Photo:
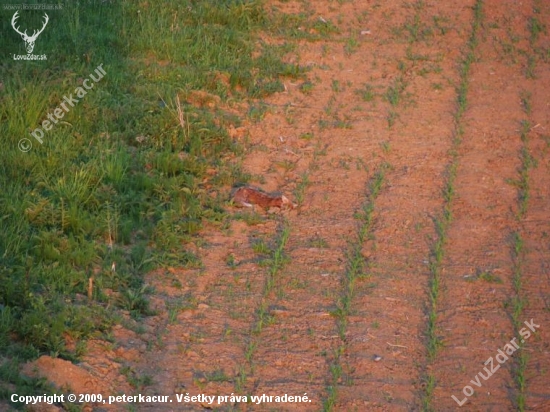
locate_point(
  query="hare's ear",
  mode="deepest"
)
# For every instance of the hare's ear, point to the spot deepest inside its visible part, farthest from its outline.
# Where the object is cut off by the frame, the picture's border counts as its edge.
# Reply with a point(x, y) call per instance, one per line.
point(286, 201)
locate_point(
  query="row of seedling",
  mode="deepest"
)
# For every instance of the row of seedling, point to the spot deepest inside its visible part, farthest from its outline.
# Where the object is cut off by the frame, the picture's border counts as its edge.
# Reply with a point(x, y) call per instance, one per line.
point(274, 263)
point(518, 251)
point(536, 28)
point(355, 269)
point(518, 303)
point(443, 222)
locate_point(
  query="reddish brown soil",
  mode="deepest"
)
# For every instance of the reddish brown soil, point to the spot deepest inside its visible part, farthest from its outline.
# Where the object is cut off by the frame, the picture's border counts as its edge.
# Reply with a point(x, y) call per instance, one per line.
point(204, 346)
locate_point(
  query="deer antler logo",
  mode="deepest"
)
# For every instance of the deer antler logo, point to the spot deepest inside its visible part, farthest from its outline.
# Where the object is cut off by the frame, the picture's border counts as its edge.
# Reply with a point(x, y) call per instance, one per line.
point(29, 40)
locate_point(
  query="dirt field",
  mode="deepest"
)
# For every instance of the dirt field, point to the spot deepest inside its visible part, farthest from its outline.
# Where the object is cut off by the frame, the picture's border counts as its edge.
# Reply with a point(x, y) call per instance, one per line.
point(418, 151)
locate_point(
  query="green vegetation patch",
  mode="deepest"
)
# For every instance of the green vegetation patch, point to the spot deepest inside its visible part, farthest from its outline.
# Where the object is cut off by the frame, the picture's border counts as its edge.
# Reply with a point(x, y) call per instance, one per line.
point(133, 170)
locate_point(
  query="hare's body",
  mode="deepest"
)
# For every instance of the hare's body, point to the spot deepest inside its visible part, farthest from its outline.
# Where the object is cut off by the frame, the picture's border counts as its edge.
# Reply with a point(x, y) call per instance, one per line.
point(248, 196)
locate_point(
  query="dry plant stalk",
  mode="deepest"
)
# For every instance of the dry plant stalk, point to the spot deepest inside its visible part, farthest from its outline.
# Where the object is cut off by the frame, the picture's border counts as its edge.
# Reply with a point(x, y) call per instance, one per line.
point(90, 287)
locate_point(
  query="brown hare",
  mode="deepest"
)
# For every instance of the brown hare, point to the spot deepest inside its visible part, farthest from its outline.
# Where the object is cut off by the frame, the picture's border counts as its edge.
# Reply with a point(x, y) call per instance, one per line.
point(248, 196)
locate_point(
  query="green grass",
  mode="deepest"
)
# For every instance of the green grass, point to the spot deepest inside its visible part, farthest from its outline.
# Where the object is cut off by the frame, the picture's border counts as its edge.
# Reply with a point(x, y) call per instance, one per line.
point(260, 247)
point(395, 91)
point(300, 191)
point(414, 29)
point(251, 218)
point(489, 277)
point(307, 87)
point(367, 93)
point(351, 45)
point(394, 96)
point(304, 25)
point(118, 187)
point(218, 375)
point(536, 28)
point(136, 380)
point(417, 30)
